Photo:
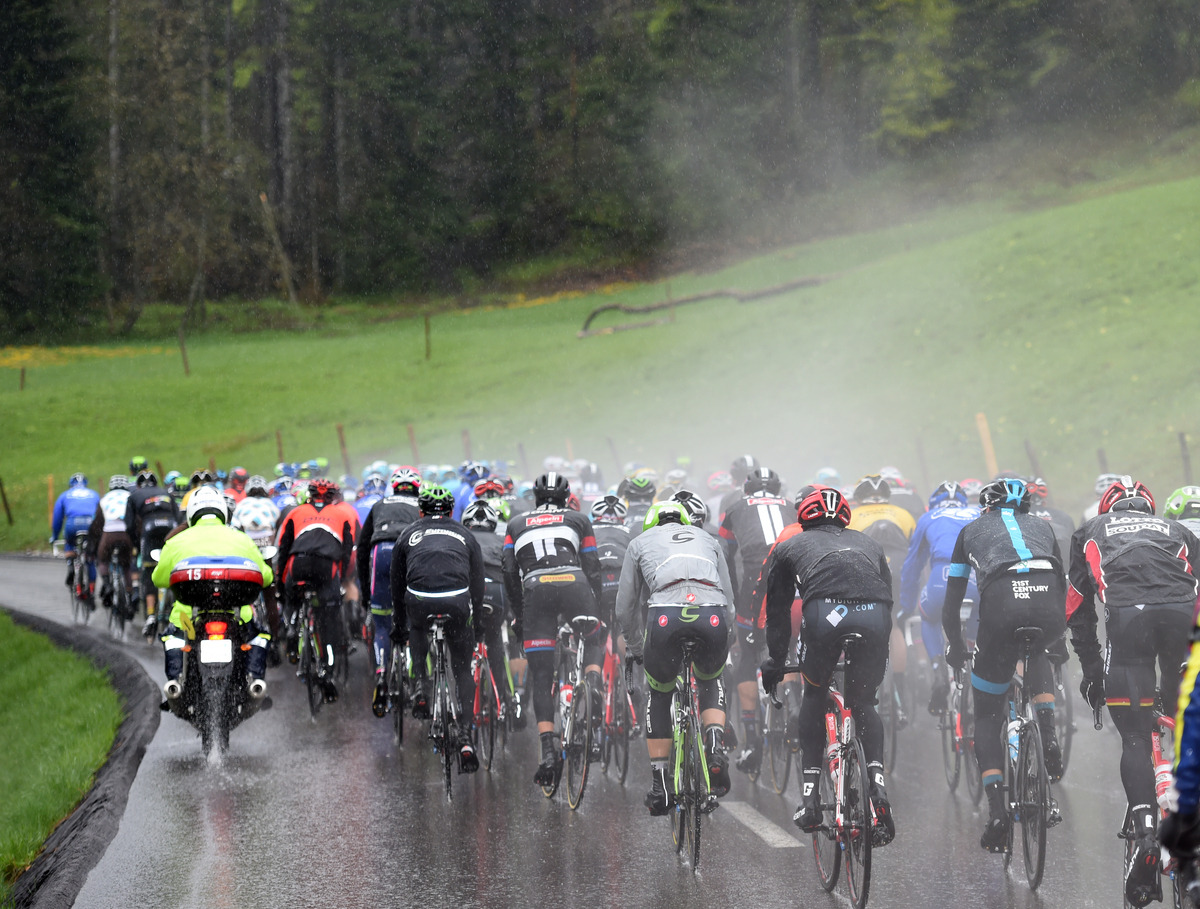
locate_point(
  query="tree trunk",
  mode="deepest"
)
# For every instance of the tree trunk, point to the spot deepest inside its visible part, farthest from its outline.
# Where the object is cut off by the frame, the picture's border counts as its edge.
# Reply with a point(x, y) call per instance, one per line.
point(229, 71)
point(114, 147)
point(339, 156)
point(283, 164)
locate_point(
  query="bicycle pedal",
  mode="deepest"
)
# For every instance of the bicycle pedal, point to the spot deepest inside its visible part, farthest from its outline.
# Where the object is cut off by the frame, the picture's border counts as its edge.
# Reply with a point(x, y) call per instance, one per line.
point(709, 805)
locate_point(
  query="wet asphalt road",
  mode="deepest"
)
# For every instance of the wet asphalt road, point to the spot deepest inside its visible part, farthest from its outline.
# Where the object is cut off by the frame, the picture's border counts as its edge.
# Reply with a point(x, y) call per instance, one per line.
point(334, 813)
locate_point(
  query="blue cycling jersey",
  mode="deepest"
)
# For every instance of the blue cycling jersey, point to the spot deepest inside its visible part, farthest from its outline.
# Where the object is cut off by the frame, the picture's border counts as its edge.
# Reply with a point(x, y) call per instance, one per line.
point(933, 541)
point(73, 513)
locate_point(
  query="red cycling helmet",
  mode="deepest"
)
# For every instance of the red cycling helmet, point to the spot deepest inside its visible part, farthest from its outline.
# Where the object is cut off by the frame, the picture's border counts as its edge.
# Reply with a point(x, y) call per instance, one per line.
point(489, 489)
point(823, 503)
point(1126, 494)
point(322, 492)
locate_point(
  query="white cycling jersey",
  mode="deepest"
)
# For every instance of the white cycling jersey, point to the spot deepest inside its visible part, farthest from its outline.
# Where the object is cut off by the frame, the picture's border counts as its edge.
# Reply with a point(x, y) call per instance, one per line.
point(112, 506)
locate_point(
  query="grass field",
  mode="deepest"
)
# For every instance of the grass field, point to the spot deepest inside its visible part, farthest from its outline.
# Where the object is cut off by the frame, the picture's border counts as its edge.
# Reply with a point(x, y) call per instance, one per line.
point(59, 717)
point(1066, 312)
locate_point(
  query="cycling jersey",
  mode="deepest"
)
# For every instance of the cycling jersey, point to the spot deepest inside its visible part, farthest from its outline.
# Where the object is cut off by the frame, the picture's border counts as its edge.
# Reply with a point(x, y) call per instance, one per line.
point(73, 512)
point(891, 527)
point(309, 531)
point(384, 523)
point(1000, 542)
point(150, 514)
point(437, 556)
point(545, 538)
point(749, 527)
point(112, 507)
point(364, 504)
point(825, 562)
point(933, 539)
point(1063, 526)
point(670, 565)
point(612, 540)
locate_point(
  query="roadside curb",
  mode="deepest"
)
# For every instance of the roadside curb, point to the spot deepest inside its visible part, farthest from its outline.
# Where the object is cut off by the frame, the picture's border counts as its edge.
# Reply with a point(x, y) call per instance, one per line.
point(78, 843)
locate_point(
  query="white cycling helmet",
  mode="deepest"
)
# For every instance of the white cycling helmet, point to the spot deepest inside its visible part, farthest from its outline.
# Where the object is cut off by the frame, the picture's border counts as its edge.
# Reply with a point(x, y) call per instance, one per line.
point(206, 500)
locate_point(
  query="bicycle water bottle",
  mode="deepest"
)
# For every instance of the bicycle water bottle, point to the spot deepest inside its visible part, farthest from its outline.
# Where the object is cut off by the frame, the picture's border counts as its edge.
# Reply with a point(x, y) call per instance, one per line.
point(564, 697)
point(1163, 780)
point(1014, 733)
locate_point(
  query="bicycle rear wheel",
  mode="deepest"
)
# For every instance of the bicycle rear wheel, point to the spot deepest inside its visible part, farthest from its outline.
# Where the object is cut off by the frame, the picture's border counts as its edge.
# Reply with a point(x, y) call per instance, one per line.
point(79, 607)
point(1033, 788)
point(970, 764)
point(619, 741)
point(309, 666)
point(579, 744)
point(694, 795)
point(777, 749)
point(826, 852)
point(856, 832)
point(1064, 716)
point(952, 739)
point(397, 691)
point(889, 713)
point(485, 720)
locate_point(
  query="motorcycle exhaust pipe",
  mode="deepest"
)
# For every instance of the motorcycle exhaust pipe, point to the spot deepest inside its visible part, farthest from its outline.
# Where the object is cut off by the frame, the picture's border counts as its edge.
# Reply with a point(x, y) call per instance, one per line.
point(258, 689)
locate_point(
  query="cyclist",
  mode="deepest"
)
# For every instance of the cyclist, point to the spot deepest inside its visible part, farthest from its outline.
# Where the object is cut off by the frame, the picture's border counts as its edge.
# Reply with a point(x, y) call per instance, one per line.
point(638, 493)
point(1142, 568)
point(1103, 482)
point(482, 519)
point(891, 526)
point(315, 545)
point(207, 535)
point(107, 535)
point(200, 477)
point(236, 486)
point(437, 569)
point(749, 527)
point(1020, 578)
point(73, 513)
point(933, 542)
point(675, 585)
point(551, 568)
point(1063, 526)
point(382, 527)
point(720, 484)
point(1184, 506)
point(903, 493)
point(471, 472)
point(842, 576)
point(150, 514)
point(137, 464)
point(354, 613)
point(374, 488)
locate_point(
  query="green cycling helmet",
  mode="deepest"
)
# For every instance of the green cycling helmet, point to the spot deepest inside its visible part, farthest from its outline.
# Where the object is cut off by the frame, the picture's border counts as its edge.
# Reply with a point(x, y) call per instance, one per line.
point(435, 500)
point(665, 513)
point(1183, 503)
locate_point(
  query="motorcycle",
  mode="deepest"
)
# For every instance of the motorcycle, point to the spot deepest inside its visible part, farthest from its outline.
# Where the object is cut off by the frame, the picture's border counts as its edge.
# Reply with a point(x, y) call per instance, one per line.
point(214, 692)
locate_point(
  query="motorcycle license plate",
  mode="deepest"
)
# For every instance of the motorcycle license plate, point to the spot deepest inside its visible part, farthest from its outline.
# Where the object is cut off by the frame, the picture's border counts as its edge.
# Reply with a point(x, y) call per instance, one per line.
point(216, 651)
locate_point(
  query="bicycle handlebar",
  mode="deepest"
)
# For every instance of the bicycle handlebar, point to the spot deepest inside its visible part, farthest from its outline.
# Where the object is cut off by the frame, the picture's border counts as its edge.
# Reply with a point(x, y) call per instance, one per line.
point(1097, 720)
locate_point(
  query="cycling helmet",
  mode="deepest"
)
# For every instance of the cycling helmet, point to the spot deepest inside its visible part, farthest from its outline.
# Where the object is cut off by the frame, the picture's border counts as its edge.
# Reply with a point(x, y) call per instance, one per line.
point(474, 471)
point(406, 481)
point(256, 486)
point(872, 490)
point(280, 487)
point(590, 472)
point(203, 477)
point(829, 476)
point(179, 490)
point(721, 481)
point(118, 481)
point(322, 492)
point(299, 491)
point(948, 493)
point(608, 510)
point(972, 487)
point(762, 479)
point(1005, 492)
point(551, 489)
point(1183, 503)
point(741, 467)
point(137, 464)
point(436, 500)
point(490, 488)
point(1037, 490)
point(1104, 481)
point(238, 477)
point(697, 511)
point(171, 477)
point(676, 476)
point(665, 513)
point(206, 500)
point(373, 485)
point(636, 489)
point(1127, 494)
point(823, 505)
point(147, 478)
point(481, 514)
point(77, 481)
point(891, 474)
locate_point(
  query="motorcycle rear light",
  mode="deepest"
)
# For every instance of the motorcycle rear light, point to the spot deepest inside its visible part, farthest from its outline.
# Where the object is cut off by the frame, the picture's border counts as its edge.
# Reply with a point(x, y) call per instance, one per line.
point(215, 630)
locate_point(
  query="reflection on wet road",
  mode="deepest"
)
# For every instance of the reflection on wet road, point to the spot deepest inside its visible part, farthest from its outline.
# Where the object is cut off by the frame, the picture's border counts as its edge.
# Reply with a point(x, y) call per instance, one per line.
point(333, 813)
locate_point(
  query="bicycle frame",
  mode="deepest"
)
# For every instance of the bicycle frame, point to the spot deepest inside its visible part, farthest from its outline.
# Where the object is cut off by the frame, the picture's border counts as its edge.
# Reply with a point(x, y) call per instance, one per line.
point(445, 720)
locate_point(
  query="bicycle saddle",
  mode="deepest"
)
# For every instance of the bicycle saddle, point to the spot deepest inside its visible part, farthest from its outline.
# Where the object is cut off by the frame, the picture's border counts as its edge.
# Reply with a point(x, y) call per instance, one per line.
point(1028, 634)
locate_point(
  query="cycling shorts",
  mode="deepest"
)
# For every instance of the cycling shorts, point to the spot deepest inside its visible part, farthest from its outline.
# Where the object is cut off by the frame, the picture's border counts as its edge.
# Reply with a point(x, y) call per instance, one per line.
point(118, 543)
point(74, 526)
point(1035, 599)
point(825, 623)
point(1138, 637)
point(549, 594)
point(316, 571)
point(381, 577)
point(667, 627)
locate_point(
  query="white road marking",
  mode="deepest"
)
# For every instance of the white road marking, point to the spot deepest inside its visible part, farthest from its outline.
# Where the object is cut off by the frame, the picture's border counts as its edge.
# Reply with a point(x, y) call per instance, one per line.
point(766, 829)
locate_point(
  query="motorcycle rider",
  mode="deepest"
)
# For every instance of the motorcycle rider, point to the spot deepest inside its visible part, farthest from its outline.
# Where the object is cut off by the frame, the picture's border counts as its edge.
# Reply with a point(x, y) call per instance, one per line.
point(207, 535)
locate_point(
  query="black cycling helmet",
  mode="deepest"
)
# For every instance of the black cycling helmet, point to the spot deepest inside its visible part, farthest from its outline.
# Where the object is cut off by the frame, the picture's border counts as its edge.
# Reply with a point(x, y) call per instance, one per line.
point(1005, 492)
point(551, 489)
point(146, 478)
point(435, 500)
point(742, 467)
point(137, 464)
point(203, 477)
point(762, 479)
point(608, 510)
point(637, 489)
point(872, 490)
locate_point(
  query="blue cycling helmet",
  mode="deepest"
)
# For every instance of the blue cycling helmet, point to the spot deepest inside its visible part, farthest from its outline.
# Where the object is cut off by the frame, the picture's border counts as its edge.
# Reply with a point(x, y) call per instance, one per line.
point(374, 485)
point(77, 481)
point(948, 493)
